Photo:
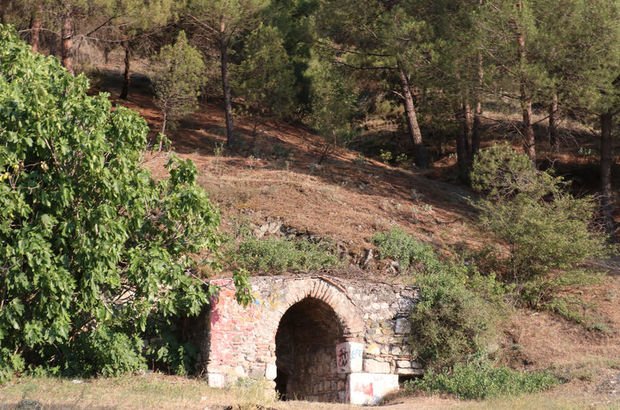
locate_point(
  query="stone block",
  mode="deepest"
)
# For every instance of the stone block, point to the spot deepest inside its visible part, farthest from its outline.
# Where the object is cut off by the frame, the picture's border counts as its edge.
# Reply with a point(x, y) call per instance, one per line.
point(373, 349)
point(349, 357)
point(271, 371)
point(410, 372)
point(376, 366)
point(402, 326)
point(369, 388)
point(216, 380)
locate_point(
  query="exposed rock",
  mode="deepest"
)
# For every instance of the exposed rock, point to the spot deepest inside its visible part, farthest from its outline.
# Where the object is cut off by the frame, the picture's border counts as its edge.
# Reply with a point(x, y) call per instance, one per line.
point(29, 405)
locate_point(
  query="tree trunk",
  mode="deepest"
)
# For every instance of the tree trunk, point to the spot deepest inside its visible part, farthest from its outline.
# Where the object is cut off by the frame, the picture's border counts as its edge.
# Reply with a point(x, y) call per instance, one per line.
point(126, 71)
point(462, 137)
point(467, 126)
point(66, 45)
point(553, 122)
point(606, 165)
point(529, 142)
point(476, 131)
point(164, 121)
point(226, 90)
point(106, 55)
point(420, 155)
point(35, 28)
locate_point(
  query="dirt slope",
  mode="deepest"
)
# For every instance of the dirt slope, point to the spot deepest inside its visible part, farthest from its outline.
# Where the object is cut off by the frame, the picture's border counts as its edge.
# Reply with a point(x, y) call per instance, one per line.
point(346, 198)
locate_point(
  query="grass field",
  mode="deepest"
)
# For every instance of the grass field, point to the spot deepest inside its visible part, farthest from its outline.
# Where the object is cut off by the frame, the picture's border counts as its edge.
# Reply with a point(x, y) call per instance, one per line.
point(153, 391)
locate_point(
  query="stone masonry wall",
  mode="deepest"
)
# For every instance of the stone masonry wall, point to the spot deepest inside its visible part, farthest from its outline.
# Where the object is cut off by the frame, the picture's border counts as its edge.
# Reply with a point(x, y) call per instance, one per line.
point(385, 309)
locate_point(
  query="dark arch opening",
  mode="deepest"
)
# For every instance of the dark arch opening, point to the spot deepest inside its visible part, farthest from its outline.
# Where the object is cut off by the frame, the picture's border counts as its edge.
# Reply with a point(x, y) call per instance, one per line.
point(306, 353)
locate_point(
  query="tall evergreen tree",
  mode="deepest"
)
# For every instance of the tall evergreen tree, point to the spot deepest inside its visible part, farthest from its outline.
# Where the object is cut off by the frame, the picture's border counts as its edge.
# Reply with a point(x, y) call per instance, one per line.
point(384, 37)
point(132, 26)
point(221, 22)
point(265, 78)
point(179, 75)
point(512, 41)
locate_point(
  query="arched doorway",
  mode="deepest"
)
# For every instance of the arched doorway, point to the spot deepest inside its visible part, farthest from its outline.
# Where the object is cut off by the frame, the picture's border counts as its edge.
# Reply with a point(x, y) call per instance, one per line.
point(306, 352)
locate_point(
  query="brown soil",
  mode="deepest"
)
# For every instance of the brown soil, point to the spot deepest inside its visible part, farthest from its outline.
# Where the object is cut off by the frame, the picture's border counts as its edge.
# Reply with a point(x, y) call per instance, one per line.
point(345, 198)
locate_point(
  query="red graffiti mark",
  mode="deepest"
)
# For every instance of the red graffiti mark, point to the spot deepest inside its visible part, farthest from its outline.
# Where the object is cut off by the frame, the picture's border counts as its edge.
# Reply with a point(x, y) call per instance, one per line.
point(367, 389)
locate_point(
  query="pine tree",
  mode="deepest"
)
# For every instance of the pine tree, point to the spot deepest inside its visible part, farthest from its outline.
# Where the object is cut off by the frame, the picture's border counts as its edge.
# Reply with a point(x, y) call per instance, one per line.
point(133, 26)
point(178, 77)
point(512, 41)
point(221, 22)
point(384, 37)
point(265, 78)
point(333, 102)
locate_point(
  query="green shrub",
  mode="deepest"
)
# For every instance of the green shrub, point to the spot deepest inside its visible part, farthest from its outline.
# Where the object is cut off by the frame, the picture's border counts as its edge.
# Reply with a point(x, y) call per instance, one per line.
point(459, 309)
point(386, 156)
point(398, 245)
point(10, 364)
point(545, 227)
point(456, 317)
point(480, 379)
point(106, 353)
point(548, 293)
point(274, 255)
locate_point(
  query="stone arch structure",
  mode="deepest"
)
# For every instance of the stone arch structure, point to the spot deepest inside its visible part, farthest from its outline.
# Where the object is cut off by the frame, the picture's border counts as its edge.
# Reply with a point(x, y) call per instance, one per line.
point(327, 291)
point(318, 338)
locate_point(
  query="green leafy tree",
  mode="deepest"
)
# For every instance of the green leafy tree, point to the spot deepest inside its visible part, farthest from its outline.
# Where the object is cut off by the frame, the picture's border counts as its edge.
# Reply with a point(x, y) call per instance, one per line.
point(178, 78)
point(265, 76)
point(95, 255)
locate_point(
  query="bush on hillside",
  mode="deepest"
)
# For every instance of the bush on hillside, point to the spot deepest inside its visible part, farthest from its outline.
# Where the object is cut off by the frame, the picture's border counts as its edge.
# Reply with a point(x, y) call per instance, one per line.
point(95, 254)
point(545, 227)
point(275, 255)
point(459, 309)
point(457, 315)
point(403, 248)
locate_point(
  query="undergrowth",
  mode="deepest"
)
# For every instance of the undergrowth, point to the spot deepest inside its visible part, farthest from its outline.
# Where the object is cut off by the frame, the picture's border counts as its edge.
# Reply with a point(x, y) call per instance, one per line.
point(278, 255)
point(481, 379)
point(459, 309)
point(403, 248)
point(455, 323)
